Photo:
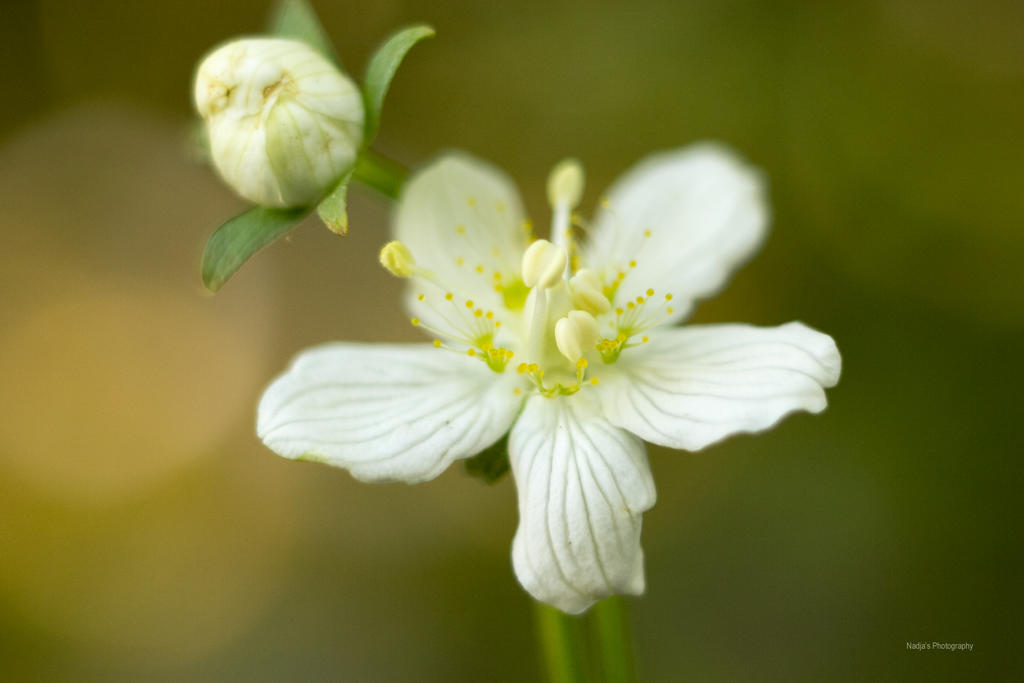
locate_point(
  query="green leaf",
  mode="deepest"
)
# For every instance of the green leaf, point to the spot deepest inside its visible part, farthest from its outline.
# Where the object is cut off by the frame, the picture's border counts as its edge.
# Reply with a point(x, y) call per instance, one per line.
point(296, 19)
point(332, 209)
point(490, 465)
point(381, 70)
point(233, 243)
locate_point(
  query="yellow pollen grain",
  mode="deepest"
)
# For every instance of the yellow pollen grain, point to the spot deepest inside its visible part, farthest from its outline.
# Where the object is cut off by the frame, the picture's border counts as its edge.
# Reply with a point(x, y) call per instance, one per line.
point(632, 264)
point(670, 310)
point(517, 391)
point(437, 343)
point(650, 292)
point(605, 203)
point(461, 229)
point(415, 321)
point(619, 311)
point(469, 304)
point(449, 296)
point(533, 367)
point(478, 313)
point(581, 363)
point(523, 367)
point(459, 261)
point(497, 276)
point(480, 269)
point(647, 233)
point(621, 275)
point(639, 299)
point(630, 305)
point(471, 201)
point(498, 288)
point(594, 381)
point(471, 353)
point(497, 323)
point(645, 339)
point(490, 315)
point(668, 297)
point(421, 297)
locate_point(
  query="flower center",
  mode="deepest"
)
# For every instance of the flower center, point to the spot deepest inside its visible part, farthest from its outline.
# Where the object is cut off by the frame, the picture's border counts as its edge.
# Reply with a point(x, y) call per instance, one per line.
point(555, 309)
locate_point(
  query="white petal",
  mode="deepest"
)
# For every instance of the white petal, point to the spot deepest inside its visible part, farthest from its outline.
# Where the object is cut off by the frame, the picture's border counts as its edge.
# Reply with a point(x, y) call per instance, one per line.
point(463, 220)
point(583, 485)
point(692, 386)
point(386, 412)
point(687, 218)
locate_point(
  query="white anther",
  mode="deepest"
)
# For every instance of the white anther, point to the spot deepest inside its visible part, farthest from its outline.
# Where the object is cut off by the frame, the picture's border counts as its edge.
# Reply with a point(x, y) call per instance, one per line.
point(543, 264)
point(397, 259)
point(575, 334)
point(565, 184)
point(585, 288)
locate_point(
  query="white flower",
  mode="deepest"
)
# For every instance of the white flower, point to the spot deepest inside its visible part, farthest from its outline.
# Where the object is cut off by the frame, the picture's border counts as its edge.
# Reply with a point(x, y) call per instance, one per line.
point(571, 346)
point(284, 124)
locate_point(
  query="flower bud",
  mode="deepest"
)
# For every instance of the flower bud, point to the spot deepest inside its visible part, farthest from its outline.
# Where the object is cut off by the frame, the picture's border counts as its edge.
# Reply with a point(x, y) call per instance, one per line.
point(575, 334)
point(284, 124)
point(397, 259)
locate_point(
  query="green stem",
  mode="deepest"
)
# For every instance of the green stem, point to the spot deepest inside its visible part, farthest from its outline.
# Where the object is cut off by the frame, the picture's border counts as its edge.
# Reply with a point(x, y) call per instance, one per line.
point(609, 622)
point(380, 173)
point(561, 644)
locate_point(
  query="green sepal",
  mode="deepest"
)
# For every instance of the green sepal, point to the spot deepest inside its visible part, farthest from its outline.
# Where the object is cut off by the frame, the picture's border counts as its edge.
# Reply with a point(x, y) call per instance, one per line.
point(233, 243)
point(490, 465)
point(381, 69)
point(332, 209)
point(296, 19)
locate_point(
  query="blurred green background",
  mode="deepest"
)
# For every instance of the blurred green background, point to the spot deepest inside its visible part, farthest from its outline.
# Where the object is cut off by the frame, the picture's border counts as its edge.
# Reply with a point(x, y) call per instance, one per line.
point(145, 533)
